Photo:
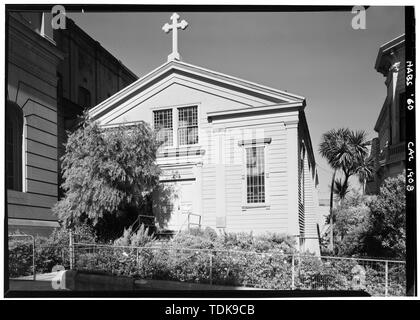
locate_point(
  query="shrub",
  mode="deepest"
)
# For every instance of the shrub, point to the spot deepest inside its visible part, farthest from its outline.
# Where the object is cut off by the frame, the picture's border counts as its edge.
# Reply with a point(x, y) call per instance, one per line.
point(20, 257)
point(109, 176)
point(49, 251)
point(136, 239)
point(387, 233)
point(235, 260)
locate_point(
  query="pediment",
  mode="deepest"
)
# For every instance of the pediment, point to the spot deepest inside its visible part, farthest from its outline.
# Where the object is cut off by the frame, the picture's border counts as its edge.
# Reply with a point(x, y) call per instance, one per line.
point(241, 92)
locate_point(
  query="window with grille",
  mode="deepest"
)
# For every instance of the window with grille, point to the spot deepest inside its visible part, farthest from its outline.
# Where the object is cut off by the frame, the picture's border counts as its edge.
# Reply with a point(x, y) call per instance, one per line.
point(163, 124)
point(187, 125)
point(255, 175)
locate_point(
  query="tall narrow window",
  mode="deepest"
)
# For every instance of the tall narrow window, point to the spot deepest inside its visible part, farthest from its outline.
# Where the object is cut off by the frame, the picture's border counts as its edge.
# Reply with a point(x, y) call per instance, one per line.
point(187, 125)
point(84, 99)
point(402, 115)
point(163, 124)
point(255, 176)
point(14, 133)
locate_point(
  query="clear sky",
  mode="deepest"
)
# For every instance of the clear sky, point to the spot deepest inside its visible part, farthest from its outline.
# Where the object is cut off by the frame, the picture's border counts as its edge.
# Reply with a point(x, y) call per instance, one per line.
point(313, 54)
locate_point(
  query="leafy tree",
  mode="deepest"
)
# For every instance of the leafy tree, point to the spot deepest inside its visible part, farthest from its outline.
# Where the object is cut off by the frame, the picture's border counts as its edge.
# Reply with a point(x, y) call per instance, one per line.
point(388, 219)
point(109, 176)
point(351, 226)
point(346, 151)
point(373, 226)
point(365, 170)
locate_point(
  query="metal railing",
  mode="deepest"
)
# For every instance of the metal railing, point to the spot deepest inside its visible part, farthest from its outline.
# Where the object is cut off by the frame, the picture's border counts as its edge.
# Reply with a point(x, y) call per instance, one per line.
point(392, 153)
point(268, 270)
point(28, 257)
point(189, 223)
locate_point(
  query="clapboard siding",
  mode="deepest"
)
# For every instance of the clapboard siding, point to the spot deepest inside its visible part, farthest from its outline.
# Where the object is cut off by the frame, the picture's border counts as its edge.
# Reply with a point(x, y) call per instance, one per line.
point(41, 175)
point(311, 204)
point(41, 187)
point(208, 195)
point(42, 136)
point(274, 217)
point(34, 108)
point(28, 199)
point(32, 84)
point(42, 124)
point(41, 162)
point(41, 149)
point(29, 212)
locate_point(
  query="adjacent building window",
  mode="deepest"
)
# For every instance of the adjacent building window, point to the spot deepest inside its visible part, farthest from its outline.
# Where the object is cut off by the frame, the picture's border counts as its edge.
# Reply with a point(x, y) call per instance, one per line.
point(14, 134)
point(163, 123)
point(255, 175)
point(84, 98)
point(402, 116)
point(187, 125)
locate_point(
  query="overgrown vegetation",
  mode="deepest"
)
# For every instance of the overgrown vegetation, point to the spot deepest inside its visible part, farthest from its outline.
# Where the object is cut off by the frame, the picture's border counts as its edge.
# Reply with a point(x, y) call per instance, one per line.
point(347, 153)
point(204, 256)
point(49, 251)
point(373, 226)
point(109, 177)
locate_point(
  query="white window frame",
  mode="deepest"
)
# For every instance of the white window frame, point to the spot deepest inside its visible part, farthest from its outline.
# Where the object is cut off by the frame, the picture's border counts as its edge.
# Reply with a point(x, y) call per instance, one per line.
point(175, 126)
point(24, 155)
point(178, 127)
point(266, 203)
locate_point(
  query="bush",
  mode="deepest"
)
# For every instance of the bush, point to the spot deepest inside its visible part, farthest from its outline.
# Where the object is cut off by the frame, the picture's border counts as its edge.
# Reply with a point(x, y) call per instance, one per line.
point(20, 257)
point(235, 260)
point(315, 274)
point(49, 251)
point(138, 239)
point(109, 176)
point(372, 226)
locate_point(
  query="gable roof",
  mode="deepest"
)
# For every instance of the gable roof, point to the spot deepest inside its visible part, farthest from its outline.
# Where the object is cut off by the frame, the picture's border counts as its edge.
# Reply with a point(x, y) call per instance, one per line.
point(274, 95)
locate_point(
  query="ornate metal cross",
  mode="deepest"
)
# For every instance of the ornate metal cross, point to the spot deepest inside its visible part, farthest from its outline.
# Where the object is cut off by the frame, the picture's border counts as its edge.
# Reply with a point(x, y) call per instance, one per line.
point(174, 27)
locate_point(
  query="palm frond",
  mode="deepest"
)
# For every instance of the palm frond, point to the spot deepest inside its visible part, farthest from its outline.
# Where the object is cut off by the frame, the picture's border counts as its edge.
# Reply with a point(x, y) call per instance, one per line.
point(341, 189)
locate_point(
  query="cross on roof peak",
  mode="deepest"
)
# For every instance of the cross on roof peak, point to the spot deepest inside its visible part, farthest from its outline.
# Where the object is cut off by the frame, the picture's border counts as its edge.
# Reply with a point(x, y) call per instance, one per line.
point(174, 27)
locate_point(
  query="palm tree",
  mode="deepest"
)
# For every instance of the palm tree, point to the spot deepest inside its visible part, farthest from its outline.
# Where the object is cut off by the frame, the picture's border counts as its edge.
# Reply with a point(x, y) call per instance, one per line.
point(331, 148)
point(340, 190)
point(365, 171)
point(346, 152)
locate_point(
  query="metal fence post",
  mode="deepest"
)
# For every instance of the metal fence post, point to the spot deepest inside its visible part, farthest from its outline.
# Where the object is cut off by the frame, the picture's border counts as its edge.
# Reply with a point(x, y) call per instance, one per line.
point(293, 272)
point(211, 268)
point(386, 278)
point(33, 258)
point(71, 252)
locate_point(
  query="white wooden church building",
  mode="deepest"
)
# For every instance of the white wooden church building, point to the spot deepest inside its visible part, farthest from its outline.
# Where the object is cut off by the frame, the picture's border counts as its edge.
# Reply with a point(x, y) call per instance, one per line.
point(236, 155)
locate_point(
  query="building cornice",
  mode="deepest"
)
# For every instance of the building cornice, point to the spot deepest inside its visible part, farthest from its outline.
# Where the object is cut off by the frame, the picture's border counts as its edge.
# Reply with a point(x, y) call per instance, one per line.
point(245, 111)
point(30, 36)
point(233, 83)
point(388, 55)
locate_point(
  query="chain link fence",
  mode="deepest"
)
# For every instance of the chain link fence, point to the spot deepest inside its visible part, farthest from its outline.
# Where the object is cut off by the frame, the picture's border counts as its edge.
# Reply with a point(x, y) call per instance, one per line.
point(27, 257)
point(270, 270)
point(273, 270)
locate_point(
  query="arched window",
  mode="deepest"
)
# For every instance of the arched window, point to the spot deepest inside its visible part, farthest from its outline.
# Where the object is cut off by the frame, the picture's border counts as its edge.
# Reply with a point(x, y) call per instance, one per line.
point(14, 135)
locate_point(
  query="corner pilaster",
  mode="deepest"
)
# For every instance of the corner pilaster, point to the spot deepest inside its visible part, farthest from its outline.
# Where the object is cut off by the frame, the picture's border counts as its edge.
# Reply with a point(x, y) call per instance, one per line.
point(292, 177)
